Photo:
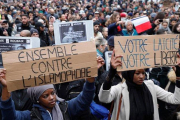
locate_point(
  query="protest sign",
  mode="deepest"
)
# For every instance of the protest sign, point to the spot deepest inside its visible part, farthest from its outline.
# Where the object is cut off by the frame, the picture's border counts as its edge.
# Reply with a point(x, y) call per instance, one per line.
point(108, 55)
point(167, 3)
point(147, 51)
point(50, 65)
point(17, 43)
point(68, 32)
point(10, 2)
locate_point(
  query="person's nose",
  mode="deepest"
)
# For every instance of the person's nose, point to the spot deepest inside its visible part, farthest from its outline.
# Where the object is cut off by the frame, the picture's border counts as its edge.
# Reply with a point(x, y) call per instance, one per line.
point(141, 75)
point(51, 97)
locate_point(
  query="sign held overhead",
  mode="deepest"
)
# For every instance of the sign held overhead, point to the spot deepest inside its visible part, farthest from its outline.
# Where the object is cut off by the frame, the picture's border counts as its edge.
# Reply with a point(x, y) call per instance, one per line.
point(147, 51)
point(50, 65)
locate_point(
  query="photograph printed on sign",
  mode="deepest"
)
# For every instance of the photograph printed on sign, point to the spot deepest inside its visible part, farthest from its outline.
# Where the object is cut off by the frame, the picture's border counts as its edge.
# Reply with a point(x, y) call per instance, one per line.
point(12, 44)
point(71, 32)
point(108, 55)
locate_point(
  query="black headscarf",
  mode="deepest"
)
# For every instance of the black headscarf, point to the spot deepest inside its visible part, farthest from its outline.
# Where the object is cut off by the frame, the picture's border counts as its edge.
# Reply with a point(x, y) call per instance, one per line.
point(141, 102)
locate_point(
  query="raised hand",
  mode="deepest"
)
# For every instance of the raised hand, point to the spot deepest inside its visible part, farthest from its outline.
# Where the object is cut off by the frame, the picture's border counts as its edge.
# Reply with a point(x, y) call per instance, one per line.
point(100, 62)
point(3, 77)
point(115, 62)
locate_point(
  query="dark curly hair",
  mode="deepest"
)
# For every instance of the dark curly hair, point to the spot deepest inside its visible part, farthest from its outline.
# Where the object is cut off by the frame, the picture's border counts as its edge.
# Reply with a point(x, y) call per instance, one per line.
point(174, 30)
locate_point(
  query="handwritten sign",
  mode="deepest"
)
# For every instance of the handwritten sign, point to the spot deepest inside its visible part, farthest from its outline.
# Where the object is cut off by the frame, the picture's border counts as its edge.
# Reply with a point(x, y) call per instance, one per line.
point(167, 3)
point(147, 51)
point(50, 65)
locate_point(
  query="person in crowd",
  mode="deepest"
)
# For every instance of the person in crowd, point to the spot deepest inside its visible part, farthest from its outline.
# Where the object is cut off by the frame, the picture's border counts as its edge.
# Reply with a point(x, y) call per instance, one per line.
point(5, 30)
point(4, 17)
point(136, 14)
point(31, 17)
point(25, 25)
point(173, 22)
point(164, 25)
point(96, 29)
point(21, 95)
point(46, 104)
point(51, 35)
point(9, 16)
point(52, 13)
point(173, 75)
point(25, 33)
point(100, 46)
point(135, 99)
point(176, 29)
point(51, 20)
point(114, 25)
point(35, 33)
point(105, 33)
point(42, 34)
point(109, 47)
point(129, 31)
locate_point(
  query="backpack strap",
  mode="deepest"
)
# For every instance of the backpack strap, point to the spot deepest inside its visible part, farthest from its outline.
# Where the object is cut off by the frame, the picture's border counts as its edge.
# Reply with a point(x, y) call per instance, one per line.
point(64, 109)
point(35, 114)
point(119, 107)
point(111, 109)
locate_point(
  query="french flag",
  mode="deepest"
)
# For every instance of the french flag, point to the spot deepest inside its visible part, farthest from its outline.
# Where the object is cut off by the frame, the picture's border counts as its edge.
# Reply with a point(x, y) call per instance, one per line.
point(141, 24)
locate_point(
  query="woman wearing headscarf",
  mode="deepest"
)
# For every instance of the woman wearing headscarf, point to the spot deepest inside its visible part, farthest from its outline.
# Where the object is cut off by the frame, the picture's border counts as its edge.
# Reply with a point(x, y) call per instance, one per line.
point(139, 97)
point(46, 105)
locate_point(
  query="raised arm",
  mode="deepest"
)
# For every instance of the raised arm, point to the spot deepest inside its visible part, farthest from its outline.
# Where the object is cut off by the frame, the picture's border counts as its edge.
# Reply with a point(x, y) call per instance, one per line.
point(167, 96)
point(108, 93)
point(7, 105)
point(5, 94)
point(84, 99)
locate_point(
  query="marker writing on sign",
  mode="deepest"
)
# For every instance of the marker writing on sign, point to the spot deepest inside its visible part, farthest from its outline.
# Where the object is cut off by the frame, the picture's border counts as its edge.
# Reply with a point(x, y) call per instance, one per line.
point(53, 65)
point(163, 44)
point(134, 45)
point(167, 58)
point(63, 76)
point(135, 60)
point(46, 53)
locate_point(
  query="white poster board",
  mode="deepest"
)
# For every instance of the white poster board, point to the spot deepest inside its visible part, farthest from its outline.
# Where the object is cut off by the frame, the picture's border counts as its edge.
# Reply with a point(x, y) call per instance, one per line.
point(68, 32)
point(17, 43)
point(108, 55)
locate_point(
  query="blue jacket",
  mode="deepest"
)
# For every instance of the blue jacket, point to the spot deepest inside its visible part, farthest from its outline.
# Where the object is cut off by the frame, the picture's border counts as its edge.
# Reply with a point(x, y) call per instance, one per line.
point(112, 30)
point(125, 33)
point(75, 106)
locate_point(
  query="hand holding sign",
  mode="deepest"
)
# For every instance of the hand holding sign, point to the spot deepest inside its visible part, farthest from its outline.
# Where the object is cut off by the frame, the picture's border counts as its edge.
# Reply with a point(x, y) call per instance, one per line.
point(50, 65)
point(100, 62)
point(3, 77)
point(147, 51)
point(115, 62)
point(5, 94)
point(178, 59)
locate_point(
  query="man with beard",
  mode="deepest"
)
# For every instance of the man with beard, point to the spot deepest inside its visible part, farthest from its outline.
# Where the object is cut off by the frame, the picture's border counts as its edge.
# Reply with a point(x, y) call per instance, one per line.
point(96, 30)
point(5, 30)
point(24, 25)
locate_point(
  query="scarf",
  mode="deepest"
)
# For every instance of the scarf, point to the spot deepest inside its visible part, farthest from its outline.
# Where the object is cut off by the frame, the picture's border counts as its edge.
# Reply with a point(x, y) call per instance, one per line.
point(141, 102)
point(34, 94)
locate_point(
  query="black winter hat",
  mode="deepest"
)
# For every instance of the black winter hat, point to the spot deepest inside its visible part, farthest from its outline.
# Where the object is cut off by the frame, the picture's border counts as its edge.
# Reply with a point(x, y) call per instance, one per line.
point(38, 25)
point(111, 41)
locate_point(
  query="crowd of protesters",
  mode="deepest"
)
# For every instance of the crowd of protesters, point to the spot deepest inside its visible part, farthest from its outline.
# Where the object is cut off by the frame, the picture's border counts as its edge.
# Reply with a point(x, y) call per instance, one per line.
point(143, 94)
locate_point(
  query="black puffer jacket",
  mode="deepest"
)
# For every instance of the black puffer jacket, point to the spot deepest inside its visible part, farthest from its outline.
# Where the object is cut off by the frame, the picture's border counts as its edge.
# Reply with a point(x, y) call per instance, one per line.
point(21, 27)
